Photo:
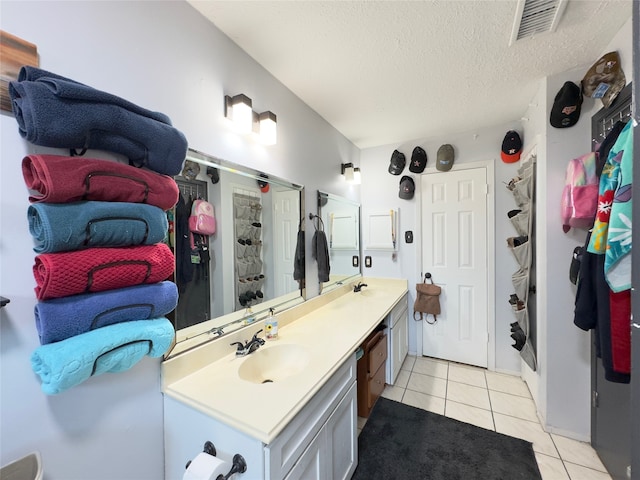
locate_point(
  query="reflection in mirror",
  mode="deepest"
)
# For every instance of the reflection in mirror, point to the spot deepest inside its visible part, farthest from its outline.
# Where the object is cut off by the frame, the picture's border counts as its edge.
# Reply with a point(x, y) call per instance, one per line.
point(341, 220)
point(231, 277)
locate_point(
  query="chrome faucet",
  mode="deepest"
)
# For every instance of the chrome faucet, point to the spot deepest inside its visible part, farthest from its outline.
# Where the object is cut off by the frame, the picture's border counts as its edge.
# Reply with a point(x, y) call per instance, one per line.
point(249, 346)
point(358, 287)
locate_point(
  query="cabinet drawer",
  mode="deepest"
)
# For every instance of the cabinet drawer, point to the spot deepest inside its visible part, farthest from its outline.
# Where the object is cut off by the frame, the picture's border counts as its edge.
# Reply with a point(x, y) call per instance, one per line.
point(376, 386)
point(378, 355)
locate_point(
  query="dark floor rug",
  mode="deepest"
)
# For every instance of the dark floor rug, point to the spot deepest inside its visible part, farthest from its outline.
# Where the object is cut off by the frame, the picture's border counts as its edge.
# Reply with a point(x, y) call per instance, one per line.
point(403, 442)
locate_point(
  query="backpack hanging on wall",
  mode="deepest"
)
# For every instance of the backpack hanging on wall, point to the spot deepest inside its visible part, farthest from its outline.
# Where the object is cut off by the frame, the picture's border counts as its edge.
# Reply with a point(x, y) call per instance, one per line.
point(202, 219)
point(579, 202)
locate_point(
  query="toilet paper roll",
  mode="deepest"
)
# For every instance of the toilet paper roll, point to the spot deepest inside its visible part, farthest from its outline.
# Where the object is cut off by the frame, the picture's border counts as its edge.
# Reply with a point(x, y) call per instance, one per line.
point(206, 467)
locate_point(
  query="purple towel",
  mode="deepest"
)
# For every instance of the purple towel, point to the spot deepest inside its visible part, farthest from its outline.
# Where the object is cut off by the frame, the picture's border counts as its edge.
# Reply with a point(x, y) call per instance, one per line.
point(65, 317)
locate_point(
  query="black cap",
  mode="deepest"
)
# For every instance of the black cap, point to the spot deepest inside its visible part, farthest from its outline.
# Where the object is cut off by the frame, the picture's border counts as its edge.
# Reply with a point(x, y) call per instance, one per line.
point(566, 106)
point(418, 160)
point(398, 161)
point(407, 188)
point(213, 174)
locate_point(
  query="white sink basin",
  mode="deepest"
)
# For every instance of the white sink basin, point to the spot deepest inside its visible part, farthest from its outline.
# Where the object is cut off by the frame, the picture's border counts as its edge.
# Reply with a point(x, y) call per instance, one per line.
point(273, 363)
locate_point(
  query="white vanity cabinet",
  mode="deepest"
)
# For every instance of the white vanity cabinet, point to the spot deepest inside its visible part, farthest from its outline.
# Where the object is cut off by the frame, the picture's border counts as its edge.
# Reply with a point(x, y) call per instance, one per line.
point(320, 441)
point(397, 338)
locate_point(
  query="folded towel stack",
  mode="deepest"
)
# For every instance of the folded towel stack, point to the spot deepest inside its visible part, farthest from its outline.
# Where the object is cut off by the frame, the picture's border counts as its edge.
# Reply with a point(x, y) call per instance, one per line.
point(98, 225)
point(61, 227)
point(59, 179)
point(114, 348)
point(93, 120)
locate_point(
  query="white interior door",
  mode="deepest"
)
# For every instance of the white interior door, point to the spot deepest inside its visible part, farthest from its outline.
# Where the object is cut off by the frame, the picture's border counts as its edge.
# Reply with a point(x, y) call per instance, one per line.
point(454, 251)
point(286, 217)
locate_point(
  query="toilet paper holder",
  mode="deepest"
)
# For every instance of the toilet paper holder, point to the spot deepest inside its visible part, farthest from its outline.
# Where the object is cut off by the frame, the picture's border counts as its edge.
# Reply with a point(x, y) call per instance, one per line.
point(238, 465)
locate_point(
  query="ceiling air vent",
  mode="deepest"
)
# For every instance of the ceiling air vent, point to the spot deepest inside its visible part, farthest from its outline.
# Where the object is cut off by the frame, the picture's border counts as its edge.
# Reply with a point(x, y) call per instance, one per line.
point(534, 17)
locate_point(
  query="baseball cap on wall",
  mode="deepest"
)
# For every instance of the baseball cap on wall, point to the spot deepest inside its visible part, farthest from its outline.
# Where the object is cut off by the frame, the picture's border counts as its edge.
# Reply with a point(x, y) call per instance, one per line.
point(418, 160)
point(566, 106)
point(445, 158)
point(407, 188)
point(263, 184)
point(397, 163)
point(605, 79)
point(511, 147)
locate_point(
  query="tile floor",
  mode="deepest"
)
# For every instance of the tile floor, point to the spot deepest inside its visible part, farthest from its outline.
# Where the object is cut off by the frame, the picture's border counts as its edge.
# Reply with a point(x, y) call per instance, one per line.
point(497, 402)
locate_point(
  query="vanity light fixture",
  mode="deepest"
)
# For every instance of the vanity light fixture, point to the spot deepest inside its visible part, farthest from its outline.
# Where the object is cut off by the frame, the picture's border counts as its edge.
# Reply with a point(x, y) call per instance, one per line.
point(238, 109)
point(351, 173)
point(266, 126)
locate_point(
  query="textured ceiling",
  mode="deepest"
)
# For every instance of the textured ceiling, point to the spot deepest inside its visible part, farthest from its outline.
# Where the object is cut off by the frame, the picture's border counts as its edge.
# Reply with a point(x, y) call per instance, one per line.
point(384, 72)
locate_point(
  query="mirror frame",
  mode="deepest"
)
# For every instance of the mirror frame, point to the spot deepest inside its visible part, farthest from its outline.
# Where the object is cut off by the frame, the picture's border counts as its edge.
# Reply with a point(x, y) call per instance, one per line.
point(193, 336)
point(326, 287)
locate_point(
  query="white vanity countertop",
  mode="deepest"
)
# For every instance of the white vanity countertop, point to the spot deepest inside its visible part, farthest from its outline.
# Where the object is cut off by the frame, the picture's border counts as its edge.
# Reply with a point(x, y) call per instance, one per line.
point(329, 334)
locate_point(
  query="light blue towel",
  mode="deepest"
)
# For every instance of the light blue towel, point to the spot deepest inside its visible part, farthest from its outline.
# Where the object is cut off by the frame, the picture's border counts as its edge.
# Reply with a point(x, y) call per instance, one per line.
point(114, 348)
point(63, 227)
point(61, 318)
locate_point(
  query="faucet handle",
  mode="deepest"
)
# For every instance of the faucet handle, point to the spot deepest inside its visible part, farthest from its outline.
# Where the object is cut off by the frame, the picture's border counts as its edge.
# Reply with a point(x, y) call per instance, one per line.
point(240, 346)
point(258, 339)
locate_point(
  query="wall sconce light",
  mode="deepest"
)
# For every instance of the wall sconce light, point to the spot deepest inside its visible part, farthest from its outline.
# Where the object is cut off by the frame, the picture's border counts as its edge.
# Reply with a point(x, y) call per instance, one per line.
point(265, 125)
point(238, 109)
point(351, 173)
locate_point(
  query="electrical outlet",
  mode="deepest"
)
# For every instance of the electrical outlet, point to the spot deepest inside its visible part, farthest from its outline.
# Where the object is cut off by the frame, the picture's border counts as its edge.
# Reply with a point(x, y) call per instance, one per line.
point(367, 261)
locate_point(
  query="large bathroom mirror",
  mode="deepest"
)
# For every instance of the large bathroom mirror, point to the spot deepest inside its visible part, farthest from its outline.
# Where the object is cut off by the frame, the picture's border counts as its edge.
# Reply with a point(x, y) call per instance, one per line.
point(340, 219)
point(249, 264)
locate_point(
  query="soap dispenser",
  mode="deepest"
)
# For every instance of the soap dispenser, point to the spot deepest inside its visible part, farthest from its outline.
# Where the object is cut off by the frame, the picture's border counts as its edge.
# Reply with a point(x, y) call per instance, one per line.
point(271, 326)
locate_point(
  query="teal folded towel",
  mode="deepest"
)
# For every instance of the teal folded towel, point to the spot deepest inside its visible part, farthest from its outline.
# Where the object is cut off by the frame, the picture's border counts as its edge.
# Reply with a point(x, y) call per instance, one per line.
point(63, 227)
point(114, 348)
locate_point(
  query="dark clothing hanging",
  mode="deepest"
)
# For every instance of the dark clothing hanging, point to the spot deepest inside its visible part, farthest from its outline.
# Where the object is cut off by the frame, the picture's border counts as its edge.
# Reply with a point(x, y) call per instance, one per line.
point(593, 312)
point(320, 252)
point(184, 267)
point(299, 258)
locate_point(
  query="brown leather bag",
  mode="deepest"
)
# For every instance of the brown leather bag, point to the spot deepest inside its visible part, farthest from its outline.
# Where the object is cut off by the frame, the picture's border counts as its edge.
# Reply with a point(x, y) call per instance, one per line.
point(427, 300)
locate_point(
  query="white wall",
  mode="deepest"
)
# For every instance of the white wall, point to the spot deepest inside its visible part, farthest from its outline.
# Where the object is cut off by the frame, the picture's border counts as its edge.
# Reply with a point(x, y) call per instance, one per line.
point(380, 191)
point(163, 56)
point(561, 387)
point(564, 350)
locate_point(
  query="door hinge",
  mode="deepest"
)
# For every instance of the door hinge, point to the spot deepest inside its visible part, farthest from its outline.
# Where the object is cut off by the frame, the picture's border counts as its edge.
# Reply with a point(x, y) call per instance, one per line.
point(594, 399)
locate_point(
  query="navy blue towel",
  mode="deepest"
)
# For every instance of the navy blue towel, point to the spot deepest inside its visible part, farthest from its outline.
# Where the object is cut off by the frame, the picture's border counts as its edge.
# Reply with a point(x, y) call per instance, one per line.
point(62, 318)
point(56, 112)
point(63, 227)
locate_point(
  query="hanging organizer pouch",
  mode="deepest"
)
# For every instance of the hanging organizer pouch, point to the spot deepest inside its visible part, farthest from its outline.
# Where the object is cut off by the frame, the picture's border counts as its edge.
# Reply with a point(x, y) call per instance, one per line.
point(520, 281)
point(99, 269)
point(521, 253)
point(520, 222)
point(427, 300)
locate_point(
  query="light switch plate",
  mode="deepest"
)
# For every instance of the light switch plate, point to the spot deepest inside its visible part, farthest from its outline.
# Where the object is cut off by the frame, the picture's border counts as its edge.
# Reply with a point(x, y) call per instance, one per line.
point(355, 260)
point(367, 261)
point(408, 236)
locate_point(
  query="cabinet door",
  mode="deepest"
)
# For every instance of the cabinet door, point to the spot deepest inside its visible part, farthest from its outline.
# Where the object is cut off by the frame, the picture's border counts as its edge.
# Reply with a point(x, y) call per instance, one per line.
point(342, 438)
point(400, 344)
point(310, 465)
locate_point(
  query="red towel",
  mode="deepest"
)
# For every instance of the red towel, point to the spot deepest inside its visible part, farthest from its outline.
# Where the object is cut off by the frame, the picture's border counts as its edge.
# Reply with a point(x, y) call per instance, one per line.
point(60, 179)
point(98, 269)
